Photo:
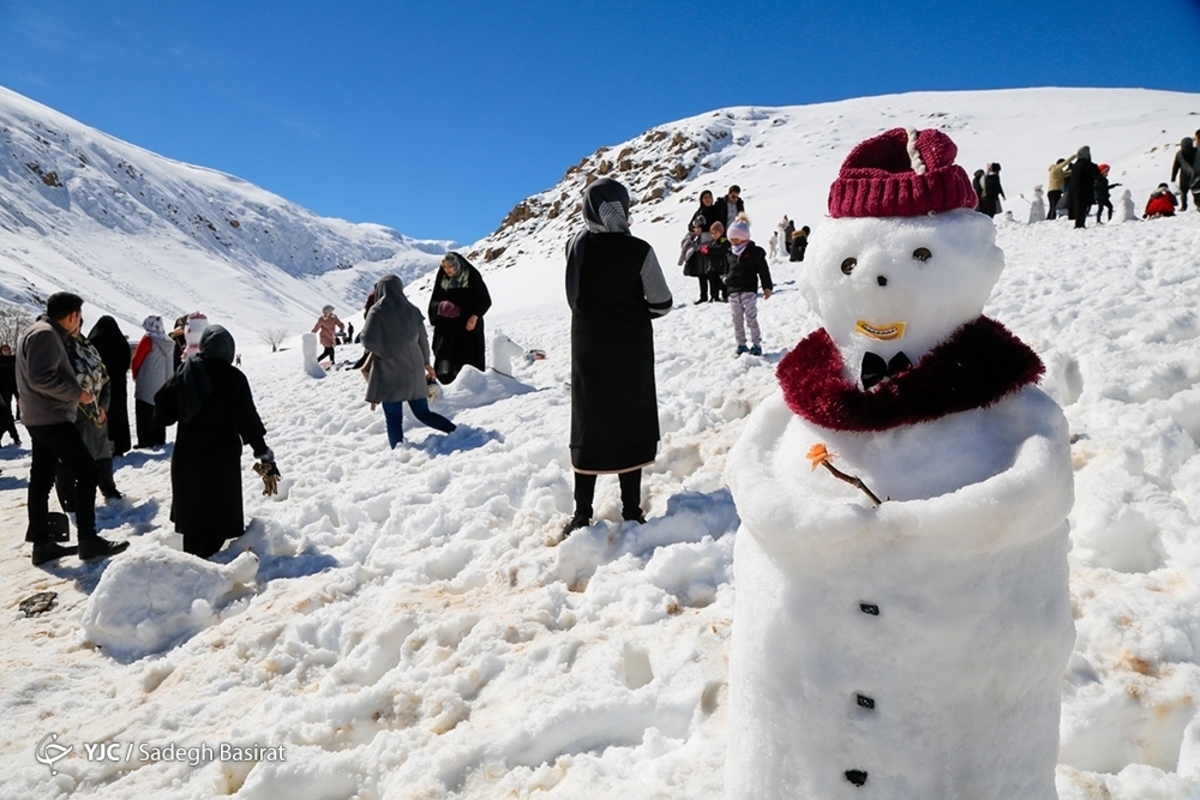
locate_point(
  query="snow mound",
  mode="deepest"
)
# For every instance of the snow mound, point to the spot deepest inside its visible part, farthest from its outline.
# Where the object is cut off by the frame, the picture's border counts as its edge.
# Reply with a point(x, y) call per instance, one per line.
point(148, 602)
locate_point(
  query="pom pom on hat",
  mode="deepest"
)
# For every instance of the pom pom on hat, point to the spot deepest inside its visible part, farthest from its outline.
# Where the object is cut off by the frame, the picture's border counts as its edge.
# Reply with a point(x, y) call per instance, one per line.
point(901, 173)
point(739, 230)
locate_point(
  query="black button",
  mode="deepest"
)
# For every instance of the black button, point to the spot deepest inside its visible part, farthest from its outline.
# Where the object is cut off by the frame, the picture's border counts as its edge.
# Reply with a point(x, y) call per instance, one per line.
point(856, 776)
point(865, 701)
point(868, 608)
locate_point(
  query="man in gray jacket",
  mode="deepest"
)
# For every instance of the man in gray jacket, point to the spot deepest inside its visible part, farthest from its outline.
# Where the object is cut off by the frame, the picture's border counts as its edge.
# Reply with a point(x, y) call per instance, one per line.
point(50, 395)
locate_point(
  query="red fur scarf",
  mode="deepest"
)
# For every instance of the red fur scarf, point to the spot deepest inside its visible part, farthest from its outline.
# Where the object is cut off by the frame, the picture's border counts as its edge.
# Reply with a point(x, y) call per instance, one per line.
point(978, 365)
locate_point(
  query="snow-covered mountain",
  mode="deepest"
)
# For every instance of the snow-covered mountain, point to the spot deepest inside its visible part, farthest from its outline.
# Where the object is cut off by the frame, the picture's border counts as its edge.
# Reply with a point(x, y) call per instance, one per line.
point(136, 233)
point(413, 628)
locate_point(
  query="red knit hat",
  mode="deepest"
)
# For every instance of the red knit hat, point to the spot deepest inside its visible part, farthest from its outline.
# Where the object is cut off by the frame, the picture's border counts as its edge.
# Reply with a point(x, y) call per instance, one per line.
point(901, 173)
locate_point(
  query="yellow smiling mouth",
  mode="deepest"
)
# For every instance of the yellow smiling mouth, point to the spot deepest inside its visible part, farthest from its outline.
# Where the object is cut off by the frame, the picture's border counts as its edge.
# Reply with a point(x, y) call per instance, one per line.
point(882, 333)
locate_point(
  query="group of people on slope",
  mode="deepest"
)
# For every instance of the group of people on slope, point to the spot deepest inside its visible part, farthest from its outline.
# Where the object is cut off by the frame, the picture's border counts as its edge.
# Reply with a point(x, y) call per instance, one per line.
point(73, 402)
point(1075, 184)
point(988, 190)
point(787, 241)
point(1185, 171)
point(729, 265)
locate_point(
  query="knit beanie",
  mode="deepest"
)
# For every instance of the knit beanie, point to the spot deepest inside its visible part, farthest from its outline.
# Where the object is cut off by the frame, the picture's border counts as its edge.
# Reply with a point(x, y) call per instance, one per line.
point(738, 230)
point(901, 173)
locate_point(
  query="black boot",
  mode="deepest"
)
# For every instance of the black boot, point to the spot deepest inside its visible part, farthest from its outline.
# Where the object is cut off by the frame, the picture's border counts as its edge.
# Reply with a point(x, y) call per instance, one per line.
point(578, 521)
point(44, 552)
point(98, 547)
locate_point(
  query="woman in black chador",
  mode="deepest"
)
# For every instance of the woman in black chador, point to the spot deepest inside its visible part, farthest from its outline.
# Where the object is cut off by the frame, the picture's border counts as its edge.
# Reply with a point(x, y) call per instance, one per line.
point(460, 299)
point(210, 399)
point(615, 287)
point(114, 350)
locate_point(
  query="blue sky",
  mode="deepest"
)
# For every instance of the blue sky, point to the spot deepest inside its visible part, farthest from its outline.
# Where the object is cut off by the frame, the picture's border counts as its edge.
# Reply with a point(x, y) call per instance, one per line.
point(436, 118)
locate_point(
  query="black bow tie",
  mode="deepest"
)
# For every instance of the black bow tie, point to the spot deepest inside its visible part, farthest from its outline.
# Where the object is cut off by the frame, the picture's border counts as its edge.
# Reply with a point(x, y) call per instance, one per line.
point(875, 369)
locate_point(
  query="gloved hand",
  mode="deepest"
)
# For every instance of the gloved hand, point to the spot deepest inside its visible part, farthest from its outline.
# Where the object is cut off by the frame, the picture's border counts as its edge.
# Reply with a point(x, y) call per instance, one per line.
point(270, 476)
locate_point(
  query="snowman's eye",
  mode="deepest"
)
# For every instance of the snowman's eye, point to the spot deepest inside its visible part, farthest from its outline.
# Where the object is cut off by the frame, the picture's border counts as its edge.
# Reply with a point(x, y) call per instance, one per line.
point(848, 265)
point(922, 254)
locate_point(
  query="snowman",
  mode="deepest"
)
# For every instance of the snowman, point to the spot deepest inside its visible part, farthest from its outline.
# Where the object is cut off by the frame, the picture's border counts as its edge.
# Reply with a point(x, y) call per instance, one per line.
point(910, 649)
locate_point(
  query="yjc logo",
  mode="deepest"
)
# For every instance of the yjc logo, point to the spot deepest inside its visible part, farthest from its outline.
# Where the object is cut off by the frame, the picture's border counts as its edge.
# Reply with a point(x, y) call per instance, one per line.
point(49, 751)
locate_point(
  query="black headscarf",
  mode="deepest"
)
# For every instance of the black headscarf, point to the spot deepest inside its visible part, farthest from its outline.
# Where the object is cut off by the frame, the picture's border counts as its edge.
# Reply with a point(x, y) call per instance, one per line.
point(605, 210)
point(195, 385)
point(107, 338)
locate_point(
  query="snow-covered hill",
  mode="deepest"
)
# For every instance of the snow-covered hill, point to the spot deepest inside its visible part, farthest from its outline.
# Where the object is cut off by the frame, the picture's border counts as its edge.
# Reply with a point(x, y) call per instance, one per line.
point(414, 630)
point(136, 233)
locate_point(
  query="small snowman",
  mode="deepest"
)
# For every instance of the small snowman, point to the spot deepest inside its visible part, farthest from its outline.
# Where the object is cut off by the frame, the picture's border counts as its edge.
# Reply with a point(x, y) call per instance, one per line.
point(910, 646)
point(1126, 211)
point(1037, 206)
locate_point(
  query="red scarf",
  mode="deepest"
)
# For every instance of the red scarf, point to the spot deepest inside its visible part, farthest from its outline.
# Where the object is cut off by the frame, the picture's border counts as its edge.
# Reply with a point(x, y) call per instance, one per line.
point(981, 363)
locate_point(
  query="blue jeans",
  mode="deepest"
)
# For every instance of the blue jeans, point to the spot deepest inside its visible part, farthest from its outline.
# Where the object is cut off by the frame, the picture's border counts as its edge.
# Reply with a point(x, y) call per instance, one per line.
point(393, 414)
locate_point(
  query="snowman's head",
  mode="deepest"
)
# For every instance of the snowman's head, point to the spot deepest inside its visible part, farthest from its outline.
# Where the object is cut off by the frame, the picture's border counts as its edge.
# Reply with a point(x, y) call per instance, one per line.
point(905, 261)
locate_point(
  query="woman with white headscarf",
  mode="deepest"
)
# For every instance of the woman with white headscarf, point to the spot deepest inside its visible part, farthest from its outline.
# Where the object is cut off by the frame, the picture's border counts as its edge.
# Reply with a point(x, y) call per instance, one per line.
point(152, 365)
point(615, 287)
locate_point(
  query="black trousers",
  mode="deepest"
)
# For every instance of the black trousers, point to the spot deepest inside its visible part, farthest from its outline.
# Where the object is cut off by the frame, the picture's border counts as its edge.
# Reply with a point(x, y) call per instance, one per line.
point(631, 493)
point(7, 423)
point(149, 432)
point(65, 481)
point(52, 444)
point(1053, 197)
point(326, 353)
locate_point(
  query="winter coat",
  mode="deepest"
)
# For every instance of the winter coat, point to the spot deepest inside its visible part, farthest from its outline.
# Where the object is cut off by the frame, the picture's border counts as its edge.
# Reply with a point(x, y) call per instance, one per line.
point(1161, 203)
point(152, 365)
point(1081, 185)
point(695, 263)
point(94, 378)
point(110, 342)
point(799, 245)
point(8, 377)
point(394, 335)
point(453, 345)
point(746, 270)
point(46, 382)
point(709, 214)
point(206, 464)
point(1184, 164)
point(614, 403)
point(992, 192)
point(977, 185)
point(722, 210)
point(717, 252)
point(1058, 177)
point(325, 329)
point(1101, 188)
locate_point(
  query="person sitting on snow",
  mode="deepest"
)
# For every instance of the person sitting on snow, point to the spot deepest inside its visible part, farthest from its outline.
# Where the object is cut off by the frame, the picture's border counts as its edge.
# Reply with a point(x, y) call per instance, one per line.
point(1161, 204)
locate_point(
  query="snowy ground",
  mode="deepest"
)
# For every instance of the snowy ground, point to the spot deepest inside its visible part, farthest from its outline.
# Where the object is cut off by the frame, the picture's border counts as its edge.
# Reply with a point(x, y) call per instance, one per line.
point(414, 629)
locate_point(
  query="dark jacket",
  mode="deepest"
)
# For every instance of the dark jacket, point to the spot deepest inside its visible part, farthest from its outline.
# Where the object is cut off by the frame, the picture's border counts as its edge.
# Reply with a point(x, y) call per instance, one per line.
point(717, 253)
point(1101, 188)
point(722, 207)
point(709, 214)
point(45, 378)
point(992, 192)
point(1081, 186)
point(1184, 165)
point(110, 342)
point(614, 404)
point(799, 245)
point(8, 378)
point(746, 270)
point(206, 464)
point(453, 345)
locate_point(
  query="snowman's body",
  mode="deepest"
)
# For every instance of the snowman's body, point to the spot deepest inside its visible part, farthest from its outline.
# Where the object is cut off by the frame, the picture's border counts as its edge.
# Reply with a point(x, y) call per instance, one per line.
point(912, 650)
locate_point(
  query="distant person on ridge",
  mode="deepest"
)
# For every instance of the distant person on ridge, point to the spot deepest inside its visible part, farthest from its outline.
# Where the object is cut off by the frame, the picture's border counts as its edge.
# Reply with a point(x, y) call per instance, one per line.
point(460, 299)
point(327, 323)
point(50, 397)
point(1182, 169)
point(615, 288)
point(1081, 186)
point(1055, 183)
